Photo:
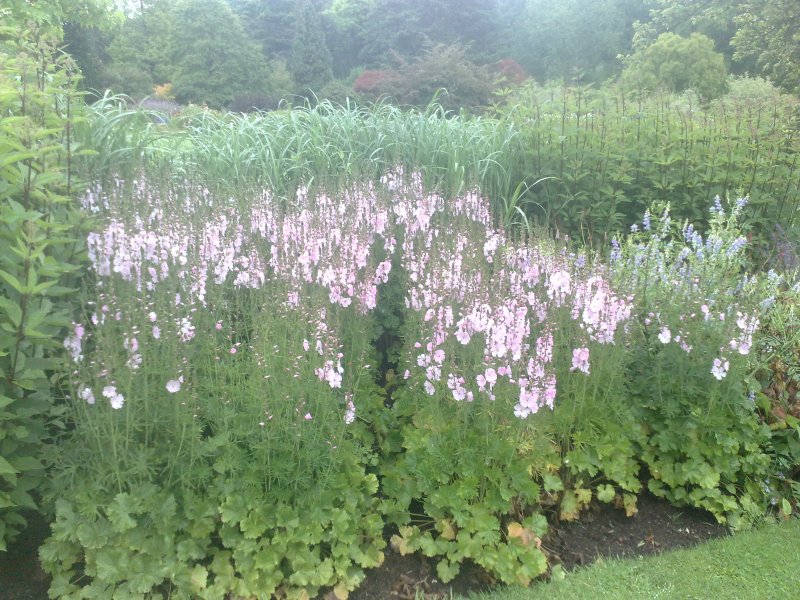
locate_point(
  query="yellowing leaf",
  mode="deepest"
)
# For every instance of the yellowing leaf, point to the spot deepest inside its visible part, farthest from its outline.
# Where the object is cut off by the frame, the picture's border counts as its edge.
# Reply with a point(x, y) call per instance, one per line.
point(401, 542)
point(515, 530)
point(584, 496)
point(570, 509)
point(629, 501)
point(448, 532)
point(525, 535)
point(341, 591)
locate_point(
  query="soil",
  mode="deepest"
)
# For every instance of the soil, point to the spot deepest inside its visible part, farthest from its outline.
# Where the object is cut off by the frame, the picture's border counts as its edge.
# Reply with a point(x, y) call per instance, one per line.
point(602, 531)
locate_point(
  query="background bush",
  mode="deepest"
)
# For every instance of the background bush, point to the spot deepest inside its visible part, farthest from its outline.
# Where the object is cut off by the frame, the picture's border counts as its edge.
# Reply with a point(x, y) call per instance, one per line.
point(676, 64)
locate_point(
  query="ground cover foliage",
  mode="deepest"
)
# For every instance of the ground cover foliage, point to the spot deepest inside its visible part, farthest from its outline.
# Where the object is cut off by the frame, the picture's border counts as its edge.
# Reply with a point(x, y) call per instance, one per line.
point(297, 332)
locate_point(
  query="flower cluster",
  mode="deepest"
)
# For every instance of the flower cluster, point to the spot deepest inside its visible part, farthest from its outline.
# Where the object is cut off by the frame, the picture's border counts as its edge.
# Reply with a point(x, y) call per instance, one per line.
point(473, 292)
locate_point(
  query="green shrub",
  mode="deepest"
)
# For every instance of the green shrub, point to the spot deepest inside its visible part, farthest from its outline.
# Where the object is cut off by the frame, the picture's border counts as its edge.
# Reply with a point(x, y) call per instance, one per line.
point(776, 363)
point(612, 154)
point(39, 254)
point(442, 74)
point(675, 64)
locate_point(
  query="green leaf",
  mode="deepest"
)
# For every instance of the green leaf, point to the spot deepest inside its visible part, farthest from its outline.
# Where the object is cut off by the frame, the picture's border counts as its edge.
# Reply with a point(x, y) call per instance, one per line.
point(13, 311)
point(26, 463)
point(12, 281)
point(234, 510)
point(198, 578)
point(119, 512)
point(552, 483)
point(6, 468)
point(605, 492)
point(447, 570)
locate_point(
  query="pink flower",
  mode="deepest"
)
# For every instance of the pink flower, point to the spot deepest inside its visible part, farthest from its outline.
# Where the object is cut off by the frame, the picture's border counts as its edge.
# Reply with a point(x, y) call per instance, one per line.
point(87, 394)
point(308, 417)
point(720, 368)
point(580, 360)
point(665, 336)
point(173, 386)
point(117, 399)
point(350, 413)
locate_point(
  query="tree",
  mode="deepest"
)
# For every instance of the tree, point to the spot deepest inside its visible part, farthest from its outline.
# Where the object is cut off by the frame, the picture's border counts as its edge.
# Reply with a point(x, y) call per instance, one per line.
point(88, 46)
point(408, 27)
point(139, 51)
point(712, 18)
point(443, 72)
point(346, 25)
point(270, 23)
point(569, 39)
point(50, 16)
point(677, 64)
point(310, 60)
point(212, 58)
point(769, 34)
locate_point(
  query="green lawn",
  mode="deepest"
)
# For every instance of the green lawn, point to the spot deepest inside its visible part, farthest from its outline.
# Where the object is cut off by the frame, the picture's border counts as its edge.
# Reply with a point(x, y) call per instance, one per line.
point(760, 564)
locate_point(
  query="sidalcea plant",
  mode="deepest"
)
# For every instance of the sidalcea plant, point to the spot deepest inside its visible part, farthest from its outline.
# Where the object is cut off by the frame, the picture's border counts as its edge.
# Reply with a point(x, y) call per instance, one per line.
point(496, 331)
point(224, 366)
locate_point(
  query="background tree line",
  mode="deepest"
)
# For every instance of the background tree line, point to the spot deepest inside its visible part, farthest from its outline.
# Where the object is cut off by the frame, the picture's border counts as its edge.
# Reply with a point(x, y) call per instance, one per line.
point(241, 53)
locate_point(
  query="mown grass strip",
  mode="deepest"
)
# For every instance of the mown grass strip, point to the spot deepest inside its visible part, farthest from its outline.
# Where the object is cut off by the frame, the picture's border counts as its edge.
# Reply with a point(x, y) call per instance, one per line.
point(758, 564)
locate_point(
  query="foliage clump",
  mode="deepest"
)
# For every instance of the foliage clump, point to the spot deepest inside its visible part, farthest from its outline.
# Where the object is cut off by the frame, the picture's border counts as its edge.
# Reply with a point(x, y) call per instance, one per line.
point(676, 64)
point(40, 252)
point(443, 73)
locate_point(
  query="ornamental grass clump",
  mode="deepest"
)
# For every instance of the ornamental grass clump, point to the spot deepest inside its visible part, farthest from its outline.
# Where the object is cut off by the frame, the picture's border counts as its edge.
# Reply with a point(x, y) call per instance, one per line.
point(221, 390)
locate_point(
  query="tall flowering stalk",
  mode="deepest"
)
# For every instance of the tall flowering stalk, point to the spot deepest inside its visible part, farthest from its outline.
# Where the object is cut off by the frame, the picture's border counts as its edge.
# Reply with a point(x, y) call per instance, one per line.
point(224, 361)
point(697, 314)
point(495, 331)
